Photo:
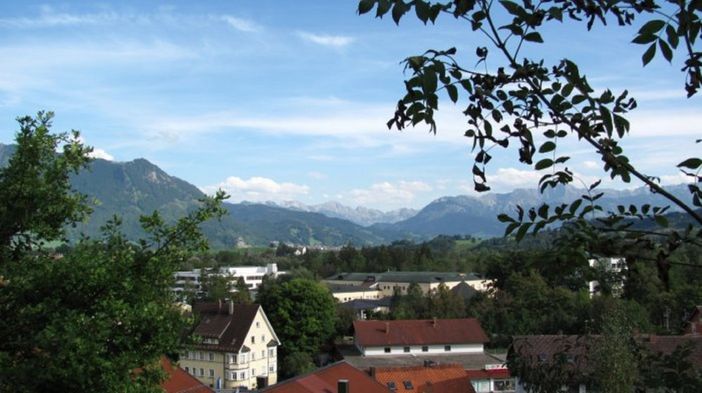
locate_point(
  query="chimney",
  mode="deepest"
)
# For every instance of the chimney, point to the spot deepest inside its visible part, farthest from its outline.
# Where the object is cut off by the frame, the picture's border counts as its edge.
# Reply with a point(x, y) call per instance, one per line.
point(231, 307)
point(342, 386)
point(371, 372)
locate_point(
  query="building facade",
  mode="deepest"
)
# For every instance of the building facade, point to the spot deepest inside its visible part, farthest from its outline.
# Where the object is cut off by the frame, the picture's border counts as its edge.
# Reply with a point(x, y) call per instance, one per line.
point(191, 281)
point(390, 282)
point(237, 347)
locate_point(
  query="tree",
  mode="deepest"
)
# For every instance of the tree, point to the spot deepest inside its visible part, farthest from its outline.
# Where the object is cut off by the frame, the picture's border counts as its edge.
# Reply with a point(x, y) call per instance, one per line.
point(303, 313)
point(99, 317)
point(36, 201)
point(525, 97)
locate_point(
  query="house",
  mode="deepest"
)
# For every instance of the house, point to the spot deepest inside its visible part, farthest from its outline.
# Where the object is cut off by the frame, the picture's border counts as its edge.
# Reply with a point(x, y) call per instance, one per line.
point(237, 347)
point(450, 378)
point(613, 268)
point(362, 308)
point(346, 293)
point(419, 336)
point(569, 357)
point(339, 377)
point(178, 381)
point(253, 277)
point(390, 282)
point(433, 342)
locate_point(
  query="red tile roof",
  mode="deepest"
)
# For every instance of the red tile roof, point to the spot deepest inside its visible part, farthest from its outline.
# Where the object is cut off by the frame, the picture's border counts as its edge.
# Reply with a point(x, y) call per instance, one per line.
point(324, 380)
point(447, 378)
point(178, 381)
point(419, 332)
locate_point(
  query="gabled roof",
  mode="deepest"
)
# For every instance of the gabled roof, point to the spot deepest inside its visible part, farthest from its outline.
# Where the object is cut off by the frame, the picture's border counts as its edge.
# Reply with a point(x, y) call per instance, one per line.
point(576, 350)
point(464, 290)
point(436, 379)
point(229, 329)
point(419, 332)
point(178, 381)
point(324, 380)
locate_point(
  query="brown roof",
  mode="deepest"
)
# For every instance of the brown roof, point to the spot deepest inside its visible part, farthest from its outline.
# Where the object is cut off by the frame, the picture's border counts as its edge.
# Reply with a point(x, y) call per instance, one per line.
point(324, 380)
point(575, 349)
point(419, 332)
point(435, 379)
point(178, 381)
point(229, 329)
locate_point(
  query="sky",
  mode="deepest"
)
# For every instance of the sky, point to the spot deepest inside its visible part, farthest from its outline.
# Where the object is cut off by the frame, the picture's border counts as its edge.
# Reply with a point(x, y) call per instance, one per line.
point(275, 100)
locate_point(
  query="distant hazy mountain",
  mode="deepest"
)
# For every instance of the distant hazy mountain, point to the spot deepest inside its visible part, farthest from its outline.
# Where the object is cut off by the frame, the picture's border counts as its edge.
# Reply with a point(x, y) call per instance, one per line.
point(131, 189)
point(359, 215)
point(477, 215)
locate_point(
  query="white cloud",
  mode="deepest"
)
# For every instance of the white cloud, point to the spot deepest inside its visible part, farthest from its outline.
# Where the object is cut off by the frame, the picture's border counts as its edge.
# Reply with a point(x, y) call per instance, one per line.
point(240, 24)
point(400, 193)
point(335, 41)
point(317, 175)
point(259, 189)
point(49, 18)
point(100, 153)
point(679, 178)
point(589, 164)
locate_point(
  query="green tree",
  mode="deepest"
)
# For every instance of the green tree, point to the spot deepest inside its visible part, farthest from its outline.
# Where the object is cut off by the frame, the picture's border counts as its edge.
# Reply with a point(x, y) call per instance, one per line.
point(614, 354)
point(36, 200)
point(303, 313)
point(242, 294)
point(99, 317)
point(524, 100)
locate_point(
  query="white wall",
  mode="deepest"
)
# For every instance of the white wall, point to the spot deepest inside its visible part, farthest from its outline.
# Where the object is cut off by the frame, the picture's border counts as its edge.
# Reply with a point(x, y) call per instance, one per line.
point(417, 350)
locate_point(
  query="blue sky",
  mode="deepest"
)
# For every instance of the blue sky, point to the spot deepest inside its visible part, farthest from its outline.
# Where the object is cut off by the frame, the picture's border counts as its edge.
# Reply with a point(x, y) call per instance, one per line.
point(287, 100)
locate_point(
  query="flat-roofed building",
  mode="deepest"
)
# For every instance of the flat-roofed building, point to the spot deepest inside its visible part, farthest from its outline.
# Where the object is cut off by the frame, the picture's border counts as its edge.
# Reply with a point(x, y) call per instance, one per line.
point(389, 282)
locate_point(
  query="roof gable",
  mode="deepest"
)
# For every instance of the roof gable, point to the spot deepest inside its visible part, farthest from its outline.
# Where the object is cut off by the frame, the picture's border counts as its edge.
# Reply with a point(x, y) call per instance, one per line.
point(229, 329)
point(419, 332)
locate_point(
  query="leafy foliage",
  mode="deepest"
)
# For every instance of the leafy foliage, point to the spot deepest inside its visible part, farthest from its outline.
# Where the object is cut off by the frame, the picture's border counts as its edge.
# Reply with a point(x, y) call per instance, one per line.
point(525, 100)
point(99, 317)
point(303, 314)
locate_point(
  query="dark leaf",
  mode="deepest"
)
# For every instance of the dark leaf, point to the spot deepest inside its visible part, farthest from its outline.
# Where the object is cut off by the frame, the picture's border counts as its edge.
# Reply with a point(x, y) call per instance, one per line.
point(648, 55)
point(533, 37)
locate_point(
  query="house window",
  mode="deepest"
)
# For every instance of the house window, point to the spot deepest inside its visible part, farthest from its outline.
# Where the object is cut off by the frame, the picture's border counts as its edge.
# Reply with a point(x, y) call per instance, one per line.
point(503, 385)
point(253, 371)
point(425, 348)
point(258, 324)
point(211, 372)
point(271, 352)
point(271, 369)
point(202, 372)
point(253, 339)
point(253, 356)
point(242, 375)
point(211, 356)
point(263, 354)
point(447, 348)
point(406, 349)
point(387, 349)
point(232, 376)
point(263, 338)
point(187, 370)
point(243, 358)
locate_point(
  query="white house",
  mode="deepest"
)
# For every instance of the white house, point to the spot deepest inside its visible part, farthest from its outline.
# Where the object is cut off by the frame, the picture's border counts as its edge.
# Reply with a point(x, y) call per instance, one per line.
point(237, 347)
point(419, 337)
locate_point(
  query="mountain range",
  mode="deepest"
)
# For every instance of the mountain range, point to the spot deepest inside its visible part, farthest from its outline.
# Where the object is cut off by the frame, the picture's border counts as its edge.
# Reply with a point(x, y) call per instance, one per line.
point(134, 188)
